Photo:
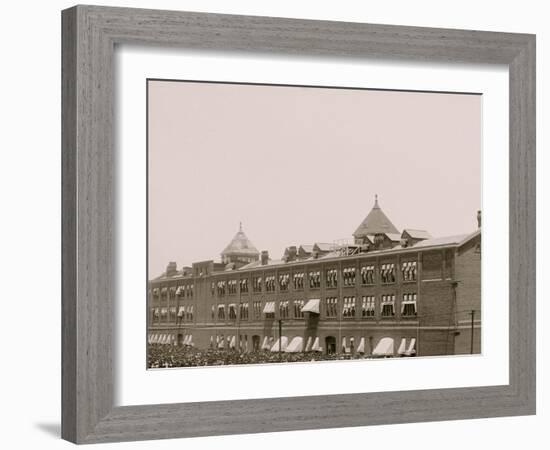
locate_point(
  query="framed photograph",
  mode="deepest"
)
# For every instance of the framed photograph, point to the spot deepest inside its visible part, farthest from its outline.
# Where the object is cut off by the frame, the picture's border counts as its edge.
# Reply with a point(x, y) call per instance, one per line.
point(276, 224)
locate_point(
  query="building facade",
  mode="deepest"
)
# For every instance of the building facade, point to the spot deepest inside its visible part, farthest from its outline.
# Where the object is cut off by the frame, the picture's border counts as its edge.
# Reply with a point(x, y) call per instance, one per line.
point(386, 294)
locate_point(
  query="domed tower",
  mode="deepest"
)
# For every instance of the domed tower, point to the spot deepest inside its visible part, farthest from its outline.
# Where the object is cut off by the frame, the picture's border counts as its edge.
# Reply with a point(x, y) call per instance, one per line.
point(240, 250)
point(375, 224)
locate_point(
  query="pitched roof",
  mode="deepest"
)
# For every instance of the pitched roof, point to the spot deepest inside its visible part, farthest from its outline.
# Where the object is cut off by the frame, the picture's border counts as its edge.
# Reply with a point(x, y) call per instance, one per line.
point(323, 246)
point(240, 245)
point(417, 234)
point(441, 241)
point(376, 222)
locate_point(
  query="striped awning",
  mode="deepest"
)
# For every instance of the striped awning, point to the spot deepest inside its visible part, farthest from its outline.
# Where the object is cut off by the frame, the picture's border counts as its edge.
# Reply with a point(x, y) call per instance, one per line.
point(312, 306)
point(269, 308)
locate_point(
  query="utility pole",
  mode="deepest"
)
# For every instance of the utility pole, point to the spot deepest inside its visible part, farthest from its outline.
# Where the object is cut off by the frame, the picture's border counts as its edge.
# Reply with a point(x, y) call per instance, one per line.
point(280, 339)
point(472, 333)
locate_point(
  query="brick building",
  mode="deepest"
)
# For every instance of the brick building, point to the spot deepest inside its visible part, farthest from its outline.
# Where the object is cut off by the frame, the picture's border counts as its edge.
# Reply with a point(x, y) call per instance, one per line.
point(386, 294)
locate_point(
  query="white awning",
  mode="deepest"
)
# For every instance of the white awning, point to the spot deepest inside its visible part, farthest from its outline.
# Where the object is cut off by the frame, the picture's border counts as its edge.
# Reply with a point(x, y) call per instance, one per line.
point(185, 338)
point(402, 347)
point(221, 344)
point(181, 311)
point(296, 345)
point(284, 344)
point(412, 348)
point(232, 343)
point(345, 345)
point(384, 347)
point(189, 340)
point(312, 306)
point(269, 308)
point(361, 348)
point(405, 303)
point(265, 344)
point(308, 344)
point(316, 347)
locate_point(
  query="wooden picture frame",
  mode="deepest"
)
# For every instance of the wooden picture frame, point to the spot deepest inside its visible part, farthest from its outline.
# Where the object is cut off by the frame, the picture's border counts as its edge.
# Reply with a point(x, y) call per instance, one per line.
point(90, 34)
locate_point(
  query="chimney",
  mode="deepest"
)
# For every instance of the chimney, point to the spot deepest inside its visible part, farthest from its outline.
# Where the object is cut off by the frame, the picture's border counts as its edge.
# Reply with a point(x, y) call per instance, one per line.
point(479, 219)
point(171, 269)
point(265, 257)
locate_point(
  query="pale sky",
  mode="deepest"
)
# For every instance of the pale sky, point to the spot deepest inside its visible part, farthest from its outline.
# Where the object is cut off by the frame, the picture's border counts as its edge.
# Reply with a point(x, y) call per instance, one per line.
point(302, 165)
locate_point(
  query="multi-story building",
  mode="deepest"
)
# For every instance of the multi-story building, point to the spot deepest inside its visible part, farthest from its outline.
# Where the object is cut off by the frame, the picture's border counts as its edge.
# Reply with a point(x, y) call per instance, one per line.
point(387, 293)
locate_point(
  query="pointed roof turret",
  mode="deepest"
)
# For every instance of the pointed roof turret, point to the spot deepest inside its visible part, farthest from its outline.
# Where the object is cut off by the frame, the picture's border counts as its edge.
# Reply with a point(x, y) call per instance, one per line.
point(240, 245)
point(376, 222)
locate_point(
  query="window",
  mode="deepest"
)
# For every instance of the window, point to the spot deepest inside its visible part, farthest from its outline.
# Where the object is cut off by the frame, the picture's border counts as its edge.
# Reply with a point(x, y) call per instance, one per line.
point(315, 279)
point(163, 293)
point(213, 312)
point(283, 309)
point(172, 314)
point(212, 288)
point(154, 315)
point(367, 274)
point(332, 278)
point(348, 274)
point(232, 311)
point(232, 287)
point(243, 311)
point(387, 306)
point(191, 290)
point(368, 306)
point(284, 281)
point(156, 293)
point(270, 283)
point(408, 305)
point(243, 285)
point(221, 312)
point(387, 273)
point(221, 288)
point(172, 292)
point(331, 309)
point(257, 305)
point(408, 271)
point(298, 281)
point(180, 291)
point(348, 310)
point(298, 305)
point(257, 284)
point(189, 313)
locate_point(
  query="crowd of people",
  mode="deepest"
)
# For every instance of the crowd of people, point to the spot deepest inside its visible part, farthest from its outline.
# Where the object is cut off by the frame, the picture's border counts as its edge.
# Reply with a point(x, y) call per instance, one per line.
point(165, 356)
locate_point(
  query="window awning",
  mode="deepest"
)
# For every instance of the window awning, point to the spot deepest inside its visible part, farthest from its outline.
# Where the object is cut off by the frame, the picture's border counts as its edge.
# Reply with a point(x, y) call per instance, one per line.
point(269, 308)
point(384, 347)
point(284, 344)
point(181, 311)
point(265, 344)
point(312, 306)
point(402, 347)
point(361, 347)
point(308, 344)
point(316, 347)
point(296, 345)
point(345, 347)
point(232, 343)
point(411, 350)
point(405, 303)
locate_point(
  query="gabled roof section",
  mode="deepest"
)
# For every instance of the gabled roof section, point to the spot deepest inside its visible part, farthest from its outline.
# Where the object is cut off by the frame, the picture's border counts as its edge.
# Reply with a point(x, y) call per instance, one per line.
point(323, 247)
point(240, 245)
point(417, 234)
point(376, 222)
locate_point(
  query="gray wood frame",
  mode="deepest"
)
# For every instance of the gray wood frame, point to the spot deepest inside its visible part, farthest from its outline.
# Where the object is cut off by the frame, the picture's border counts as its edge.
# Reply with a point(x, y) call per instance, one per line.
point(89, 36)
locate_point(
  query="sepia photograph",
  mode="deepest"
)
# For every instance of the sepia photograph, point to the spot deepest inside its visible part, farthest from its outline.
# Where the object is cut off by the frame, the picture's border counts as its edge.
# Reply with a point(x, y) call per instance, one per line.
point(292, 223)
